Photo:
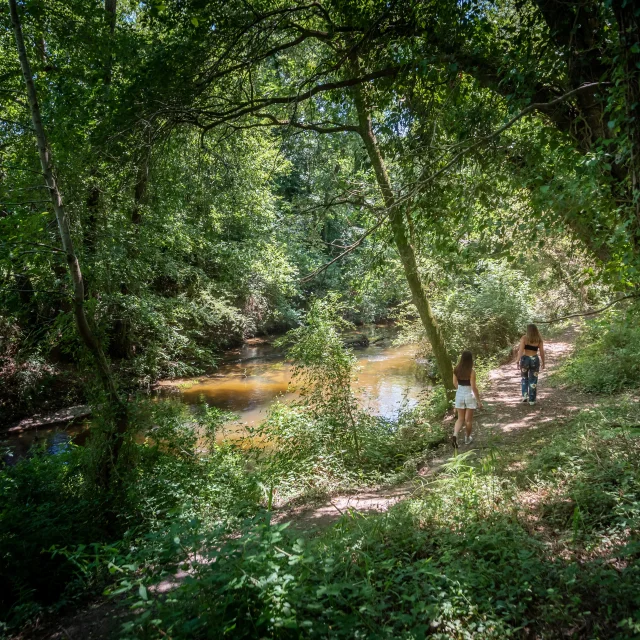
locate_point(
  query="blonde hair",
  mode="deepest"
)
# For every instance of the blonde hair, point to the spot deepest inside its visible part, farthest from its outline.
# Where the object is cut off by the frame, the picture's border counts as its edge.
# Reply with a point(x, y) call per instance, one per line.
point(533, 335)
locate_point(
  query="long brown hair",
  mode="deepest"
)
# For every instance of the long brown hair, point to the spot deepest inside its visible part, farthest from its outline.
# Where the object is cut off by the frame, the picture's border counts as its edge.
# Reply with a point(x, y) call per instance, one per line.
point(464, 366)
point(533, 335)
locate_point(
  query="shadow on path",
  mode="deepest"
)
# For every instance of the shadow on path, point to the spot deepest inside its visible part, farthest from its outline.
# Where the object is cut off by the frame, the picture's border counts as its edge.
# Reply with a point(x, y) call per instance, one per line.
point(504, 416)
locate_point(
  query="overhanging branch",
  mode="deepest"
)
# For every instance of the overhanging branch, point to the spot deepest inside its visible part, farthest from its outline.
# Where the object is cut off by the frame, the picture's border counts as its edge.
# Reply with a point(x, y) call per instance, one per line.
point(534, 106)
point(588, 313)
point(253, 107)
point(348, 250)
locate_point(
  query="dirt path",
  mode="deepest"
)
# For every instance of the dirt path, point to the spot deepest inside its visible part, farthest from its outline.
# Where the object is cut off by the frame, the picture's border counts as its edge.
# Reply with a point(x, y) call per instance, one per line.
point(504, 417)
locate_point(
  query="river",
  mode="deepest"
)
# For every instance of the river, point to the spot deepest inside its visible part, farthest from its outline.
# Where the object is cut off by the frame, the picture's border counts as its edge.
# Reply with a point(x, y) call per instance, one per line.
point(251, 378)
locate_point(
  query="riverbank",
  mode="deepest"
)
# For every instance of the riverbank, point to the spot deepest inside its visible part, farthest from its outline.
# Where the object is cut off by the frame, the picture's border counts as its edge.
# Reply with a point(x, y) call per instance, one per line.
point(523, 508)
point(247, 380)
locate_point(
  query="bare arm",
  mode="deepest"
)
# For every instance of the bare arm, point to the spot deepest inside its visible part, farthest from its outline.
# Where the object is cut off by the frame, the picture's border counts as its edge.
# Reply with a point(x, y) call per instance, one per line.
point(455, 381)
point(542, 353)
point(474, 388)
point(520, 352)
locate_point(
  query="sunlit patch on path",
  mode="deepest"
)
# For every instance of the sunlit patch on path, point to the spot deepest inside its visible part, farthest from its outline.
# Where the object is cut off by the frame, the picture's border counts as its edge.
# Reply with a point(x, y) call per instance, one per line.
point(504, 416)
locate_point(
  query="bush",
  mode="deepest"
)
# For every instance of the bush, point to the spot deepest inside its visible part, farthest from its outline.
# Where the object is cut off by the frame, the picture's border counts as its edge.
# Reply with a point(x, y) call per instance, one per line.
point(485, 314)
point(44, 501)
point(325, 441)
point(53, 517)
point(488, 314)
point(607, 354)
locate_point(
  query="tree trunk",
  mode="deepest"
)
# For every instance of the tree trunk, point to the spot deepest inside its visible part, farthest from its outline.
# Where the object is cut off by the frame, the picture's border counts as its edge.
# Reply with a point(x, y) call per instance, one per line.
point(84, 329)
point(628, 20)
point(140, 191)
point(110, 7)
point(407, 255)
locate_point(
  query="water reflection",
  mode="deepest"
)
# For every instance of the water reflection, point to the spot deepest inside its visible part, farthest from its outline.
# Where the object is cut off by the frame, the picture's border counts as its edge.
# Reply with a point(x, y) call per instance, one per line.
point(388, 379)
point(54, 439)
point(253, 376)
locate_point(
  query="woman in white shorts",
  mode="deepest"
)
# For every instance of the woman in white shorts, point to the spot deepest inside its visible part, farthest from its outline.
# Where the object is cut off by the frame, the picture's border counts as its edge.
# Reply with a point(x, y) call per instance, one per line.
point(467, 396)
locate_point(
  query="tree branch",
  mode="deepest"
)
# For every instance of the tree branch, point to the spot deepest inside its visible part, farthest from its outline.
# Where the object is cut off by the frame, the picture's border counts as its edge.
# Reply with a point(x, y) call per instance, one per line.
point(318, 128)
point(34, 244)
point(247, 108)
point(348, 250)
point(588, 313)
point(532, 107)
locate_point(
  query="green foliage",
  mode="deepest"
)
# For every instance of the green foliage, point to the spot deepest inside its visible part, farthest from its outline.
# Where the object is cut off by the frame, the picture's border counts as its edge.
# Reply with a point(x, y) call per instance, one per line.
point(195, 212)
point(324, 441)
point(607, 354)
point(45, 501)
point(485, 311)
point(487, 314)
point(488, 550)
point(323, 368)
point(50, 504)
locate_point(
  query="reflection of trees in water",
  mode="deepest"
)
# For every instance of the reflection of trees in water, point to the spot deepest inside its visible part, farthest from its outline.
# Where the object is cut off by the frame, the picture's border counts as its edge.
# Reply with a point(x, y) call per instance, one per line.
point(55, 440)
point(388, 377)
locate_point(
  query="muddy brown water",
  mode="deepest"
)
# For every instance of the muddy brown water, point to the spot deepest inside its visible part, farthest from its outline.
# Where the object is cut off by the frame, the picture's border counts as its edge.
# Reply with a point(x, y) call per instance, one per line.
point(249, 379)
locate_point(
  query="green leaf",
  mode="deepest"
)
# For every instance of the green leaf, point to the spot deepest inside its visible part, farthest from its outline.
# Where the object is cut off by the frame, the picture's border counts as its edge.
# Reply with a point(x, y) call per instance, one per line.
point(142, 590)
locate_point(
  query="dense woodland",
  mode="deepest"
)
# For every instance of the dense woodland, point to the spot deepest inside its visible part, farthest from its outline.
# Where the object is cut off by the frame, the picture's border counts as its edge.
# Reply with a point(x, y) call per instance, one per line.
point(178, 176)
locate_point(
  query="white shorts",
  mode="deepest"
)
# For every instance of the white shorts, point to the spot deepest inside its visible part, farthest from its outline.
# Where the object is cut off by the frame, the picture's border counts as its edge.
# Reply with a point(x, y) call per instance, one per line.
point(465, 398)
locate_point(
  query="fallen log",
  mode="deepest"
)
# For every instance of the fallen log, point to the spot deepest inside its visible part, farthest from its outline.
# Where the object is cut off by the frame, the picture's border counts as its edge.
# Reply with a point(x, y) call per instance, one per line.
point(64, 416)
point(359, 340)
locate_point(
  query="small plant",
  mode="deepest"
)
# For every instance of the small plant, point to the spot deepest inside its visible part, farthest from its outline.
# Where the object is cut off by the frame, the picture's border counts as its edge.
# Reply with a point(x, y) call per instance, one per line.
point(324, 441)
point(324, 369)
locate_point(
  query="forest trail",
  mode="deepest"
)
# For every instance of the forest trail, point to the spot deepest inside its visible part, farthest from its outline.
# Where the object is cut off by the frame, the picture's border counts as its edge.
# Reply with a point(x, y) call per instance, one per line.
point(503, 418)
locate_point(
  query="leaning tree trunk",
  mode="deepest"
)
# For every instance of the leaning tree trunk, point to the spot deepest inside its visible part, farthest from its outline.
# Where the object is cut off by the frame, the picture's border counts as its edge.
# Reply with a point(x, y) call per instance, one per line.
point(84, 329)
point(407, 255)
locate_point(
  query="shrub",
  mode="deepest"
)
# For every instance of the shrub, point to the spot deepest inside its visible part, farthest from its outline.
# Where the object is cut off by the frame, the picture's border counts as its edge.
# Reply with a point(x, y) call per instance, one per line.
point(44, 501)
point(53, 517)
point(324, 440)
point(489, 313)
point(607, 354)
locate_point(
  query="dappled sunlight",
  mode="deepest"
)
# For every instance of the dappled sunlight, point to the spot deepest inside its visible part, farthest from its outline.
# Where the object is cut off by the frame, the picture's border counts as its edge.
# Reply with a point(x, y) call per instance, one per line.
point(504, 410)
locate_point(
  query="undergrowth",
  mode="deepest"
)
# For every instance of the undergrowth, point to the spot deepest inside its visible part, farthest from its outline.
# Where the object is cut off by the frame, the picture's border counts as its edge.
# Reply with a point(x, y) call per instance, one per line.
point(607, 354)
point(63, 538)
point(325, 442)
point(541, 541)
point(50, 503)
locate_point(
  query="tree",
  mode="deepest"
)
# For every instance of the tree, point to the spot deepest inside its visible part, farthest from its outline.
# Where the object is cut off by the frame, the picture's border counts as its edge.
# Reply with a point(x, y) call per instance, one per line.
point(82, 324)
point(396, 215)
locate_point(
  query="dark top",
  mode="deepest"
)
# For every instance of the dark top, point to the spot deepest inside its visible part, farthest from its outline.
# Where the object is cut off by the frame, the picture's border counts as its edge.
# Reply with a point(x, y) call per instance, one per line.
point(464, 383)
point(529, 347)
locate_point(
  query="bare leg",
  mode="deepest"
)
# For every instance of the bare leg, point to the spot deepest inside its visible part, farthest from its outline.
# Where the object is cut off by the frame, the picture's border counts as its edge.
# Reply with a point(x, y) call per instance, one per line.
point(468, 421)
point(459, 422)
